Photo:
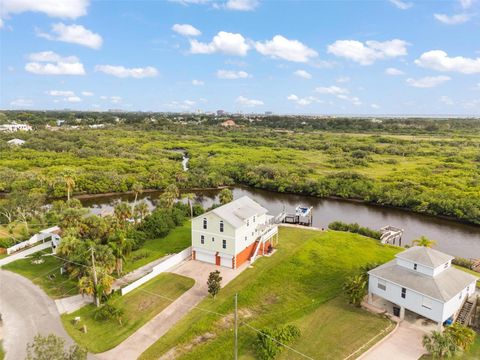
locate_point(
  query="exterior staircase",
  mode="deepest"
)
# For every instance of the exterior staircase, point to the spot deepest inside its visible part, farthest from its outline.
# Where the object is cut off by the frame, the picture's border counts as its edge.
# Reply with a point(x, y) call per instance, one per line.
point(466, 312)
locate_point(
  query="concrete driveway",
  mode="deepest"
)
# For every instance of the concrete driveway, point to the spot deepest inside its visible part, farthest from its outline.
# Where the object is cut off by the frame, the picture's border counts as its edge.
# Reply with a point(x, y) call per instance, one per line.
point(147, 335)
point(26, 311)
point(405, 343)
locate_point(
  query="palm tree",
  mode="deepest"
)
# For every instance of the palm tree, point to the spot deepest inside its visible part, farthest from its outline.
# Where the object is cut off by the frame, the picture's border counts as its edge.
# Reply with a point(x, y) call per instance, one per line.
point(462, 336)
point(141, 210)
point(356, 288)
point(121, 247)
point(70, 184)
point(86, 285)
point(440, 345)
point(122, 212)
point(424, 241)
point(169, 196)
point(225, 196)
point(137, 189)
point(190, 197)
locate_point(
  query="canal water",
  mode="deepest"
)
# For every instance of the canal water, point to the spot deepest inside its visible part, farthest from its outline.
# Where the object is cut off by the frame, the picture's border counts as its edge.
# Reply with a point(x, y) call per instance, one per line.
point(452, 237)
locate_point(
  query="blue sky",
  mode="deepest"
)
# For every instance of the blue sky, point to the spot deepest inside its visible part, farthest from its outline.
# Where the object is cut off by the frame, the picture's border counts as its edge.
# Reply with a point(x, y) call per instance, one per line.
point(306, 57)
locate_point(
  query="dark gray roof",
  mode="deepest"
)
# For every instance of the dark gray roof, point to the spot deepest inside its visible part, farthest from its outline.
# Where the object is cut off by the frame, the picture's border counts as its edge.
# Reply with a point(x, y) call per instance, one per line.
point(237, 211)
point(425, 256)
point(443, 286)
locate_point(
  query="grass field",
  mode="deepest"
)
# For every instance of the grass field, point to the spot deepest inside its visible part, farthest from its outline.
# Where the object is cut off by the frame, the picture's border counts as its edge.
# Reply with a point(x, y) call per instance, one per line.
point(46, 275)
point(300, 284)
point(2, 353)
point(177, 240)
point(138, 307)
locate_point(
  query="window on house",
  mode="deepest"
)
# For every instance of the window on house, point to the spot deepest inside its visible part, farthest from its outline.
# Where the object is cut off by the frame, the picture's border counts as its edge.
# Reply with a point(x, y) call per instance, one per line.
point(202, 239)
point(445, 266)
point(213, 239)
point(460, 296)
point(427, 302)
point(254, 219)
point(224, 244)
point(404, 293)
point(468, 289)
point(382, 284)
point(248, 223)
point(414, 266)
point(204, 223)
point(245, 238)
point(221, 226)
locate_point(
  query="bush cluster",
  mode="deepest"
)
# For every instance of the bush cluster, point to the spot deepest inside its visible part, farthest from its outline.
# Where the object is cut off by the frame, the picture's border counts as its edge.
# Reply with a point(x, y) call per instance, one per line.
point(354, 228)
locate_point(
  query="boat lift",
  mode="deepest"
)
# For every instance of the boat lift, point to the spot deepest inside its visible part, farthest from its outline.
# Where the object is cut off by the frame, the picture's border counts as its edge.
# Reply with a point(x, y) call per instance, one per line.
point(303, 215)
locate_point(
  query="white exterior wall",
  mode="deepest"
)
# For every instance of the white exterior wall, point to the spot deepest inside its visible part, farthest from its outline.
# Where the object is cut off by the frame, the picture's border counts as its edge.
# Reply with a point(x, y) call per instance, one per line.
point(413, 300)
point(420, 268)
point(213, 231)
point(249, 232)
point(454, 304)
point(440, 268)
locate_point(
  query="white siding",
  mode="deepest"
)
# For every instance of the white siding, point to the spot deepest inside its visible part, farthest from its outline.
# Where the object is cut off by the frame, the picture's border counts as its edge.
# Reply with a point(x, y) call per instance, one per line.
point(413, 300)
point(411, 265)
point(247, 234)
point(212, 234)
point(454, 304)
point(205, 257)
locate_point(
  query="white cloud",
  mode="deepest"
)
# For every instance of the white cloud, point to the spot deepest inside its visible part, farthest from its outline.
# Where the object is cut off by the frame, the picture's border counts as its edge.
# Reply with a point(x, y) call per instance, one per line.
point(282, 48)
point(302, 101)
point(241, 100)
point(446, 100)
point(21, 103)
point(181, 105)
point(440, 61)
point(60, 93)
point(224, 42)
point(343, 79)
point(241, 5)
point(50, 63)
point(393, 71)
point(73, 99)
point(232, 75)
point(402, 5)
point(54, 8)
point(331, 90)
point(466, 3)
point(186, 30)
point(113, 99)
point(75, 34)
point(197, 82)
point(375, 106)
point(370, 51)
point(303, 74)
point(452, 19)
point(123, 72)
point(428, 81)
point(1, 23)
point(353, 99)
point(87, 93)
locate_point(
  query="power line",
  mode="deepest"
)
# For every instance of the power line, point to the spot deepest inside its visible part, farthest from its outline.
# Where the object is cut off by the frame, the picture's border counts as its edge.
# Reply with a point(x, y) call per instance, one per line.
point(204, 310)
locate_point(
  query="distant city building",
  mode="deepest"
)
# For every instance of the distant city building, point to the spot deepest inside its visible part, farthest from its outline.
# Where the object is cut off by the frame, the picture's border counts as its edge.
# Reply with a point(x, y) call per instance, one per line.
point(220, 112)
point(96, 126)
point(16, 142)
point(15, 127)
point(268, 112)
point(228, 123)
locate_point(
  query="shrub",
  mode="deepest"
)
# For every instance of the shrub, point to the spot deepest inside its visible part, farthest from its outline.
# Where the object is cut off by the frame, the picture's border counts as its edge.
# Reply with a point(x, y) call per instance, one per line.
point(354, 228)
point(268, 346)
point(108, 311)
point(466, 263)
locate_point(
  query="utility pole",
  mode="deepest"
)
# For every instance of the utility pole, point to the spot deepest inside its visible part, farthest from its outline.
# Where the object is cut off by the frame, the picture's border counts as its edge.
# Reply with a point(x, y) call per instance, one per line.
point(236, 327)
point(97, 303)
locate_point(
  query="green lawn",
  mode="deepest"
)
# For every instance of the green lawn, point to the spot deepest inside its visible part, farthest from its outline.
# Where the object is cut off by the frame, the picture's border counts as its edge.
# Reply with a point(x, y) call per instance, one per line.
point(177, 240)
point(2, 353)
point(300, 284)
point(138, 307)
point(46, 275)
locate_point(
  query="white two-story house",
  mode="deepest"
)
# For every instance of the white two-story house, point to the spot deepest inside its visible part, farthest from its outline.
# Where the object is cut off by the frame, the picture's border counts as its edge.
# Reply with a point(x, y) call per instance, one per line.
point(422, 280)
point(234, 233)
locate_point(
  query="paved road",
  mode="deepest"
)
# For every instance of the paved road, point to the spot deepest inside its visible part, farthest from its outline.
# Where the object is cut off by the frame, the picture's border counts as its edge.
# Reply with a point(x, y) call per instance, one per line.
point(26, 310)
point(403, 344)
point(25, 253)
point(147, 335)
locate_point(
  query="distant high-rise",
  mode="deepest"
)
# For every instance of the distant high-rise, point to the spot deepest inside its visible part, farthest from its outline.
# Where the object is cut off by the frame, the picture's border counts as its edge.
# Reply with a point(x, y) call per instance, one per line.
point(220, 112)
point(268, 112)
